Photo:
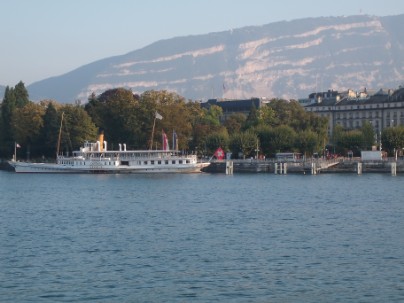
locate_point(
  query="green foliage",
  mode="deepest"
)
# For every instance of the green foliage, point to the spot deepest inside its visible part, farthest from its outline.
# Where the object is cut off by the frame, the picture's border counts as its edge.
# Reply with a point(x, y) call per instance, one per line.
point(14, 98)
point(204, 122)
point(217, 139)
point(393, 139)
point(353, 140)
point(50, 130)
point(266, 116)
point(264, 133)
point(235, 122)
point(244, 143)
point(175, 112)
point(307, 142)
point(21, 95)
point(212, 116)
point(283, 111)
point(115, 112)
point(252, 119)
point(281, 139)
point(128, 118)
point(77, 127)
point(27, 122)
point(368, 136)
point(8, 107)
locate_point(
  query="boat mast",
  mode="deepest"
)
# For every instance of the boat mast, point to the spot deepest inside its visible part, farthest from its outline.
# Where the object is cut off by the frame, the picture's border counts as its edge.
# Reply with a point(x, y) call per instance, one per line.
point(60, 135)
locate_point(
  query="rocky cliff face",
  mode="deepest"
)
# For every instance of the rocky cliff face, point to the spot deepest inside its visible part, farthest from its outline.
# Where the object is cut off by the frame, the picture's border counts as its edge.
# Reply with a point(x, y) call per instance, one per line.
point(283, 59)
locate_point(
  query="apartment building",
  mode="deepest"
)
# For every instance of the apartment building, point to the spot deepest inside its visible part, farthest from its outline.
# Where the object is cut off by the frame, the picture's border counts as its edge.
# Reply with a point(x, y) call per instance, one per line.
point(384, 108)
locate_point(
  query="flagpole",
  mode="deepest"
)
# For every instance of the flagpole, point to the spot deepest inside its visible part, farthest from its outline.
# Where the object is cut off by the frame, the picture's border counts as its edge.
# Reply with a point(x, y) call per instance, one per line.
point(60, 136)
point(156, 116)
point(152, 135)
point(15, 151)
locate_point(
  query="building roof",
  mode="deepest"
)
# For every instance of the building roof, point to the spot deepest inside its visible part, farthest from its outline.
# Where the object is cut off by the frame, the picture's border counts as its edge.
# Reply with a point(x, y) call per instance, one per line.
point(381, 96)
point(234, 104)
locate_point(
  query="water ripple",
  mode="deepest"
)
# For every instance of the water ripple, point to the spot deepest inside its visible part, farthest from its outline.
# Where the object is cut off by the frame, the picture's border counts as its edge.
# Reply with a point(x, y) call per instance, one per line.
point(179, 238)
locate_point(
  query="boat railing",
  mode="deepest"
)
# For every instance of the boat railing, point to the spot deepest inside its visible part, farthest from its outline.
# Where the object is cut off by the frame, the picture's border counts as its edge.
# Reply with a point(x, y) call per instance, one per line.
point(128, 155)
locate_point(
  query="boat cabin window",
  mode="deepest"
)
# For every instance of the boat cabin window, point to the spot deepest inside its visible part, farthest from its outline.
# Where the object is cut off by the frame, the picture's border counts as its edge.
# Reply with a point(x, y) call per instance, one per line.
point(166, 161)
point(173, 162)
point(125, 163)
point(145, 162)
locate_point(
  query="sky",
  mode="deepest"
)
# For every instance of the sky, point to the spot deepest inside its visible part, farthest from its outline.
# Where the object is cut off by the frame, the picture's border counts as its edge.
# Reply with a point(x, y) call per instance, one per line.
point(46, 38)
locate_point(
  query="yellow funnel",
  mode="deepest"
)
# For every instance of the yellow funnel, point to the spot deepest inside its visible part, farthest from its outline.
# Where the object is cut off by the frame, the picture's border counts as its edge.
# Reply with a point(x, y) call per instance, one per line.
point(101, 141)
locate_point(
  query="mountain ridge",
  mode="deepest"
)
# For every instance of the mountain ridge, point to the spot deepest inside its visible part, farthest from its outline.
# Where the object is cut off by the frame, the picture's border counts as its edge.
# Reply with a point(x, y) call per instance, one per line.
point(287, 59)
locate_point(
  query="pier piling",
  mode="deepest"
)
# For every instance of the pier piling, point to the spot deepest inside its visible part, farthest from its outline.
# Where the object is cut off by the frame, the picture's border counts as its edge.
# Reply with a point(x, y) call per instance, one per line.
point(229, 167)
point(281, 168)
point(393, 168)
point(359, 168)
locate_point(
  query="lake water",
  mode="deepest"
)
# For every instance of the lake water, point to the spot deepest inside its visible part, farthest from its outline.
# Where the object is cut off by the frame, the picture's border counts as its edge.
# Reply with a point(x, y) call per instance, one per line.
point(201, 237)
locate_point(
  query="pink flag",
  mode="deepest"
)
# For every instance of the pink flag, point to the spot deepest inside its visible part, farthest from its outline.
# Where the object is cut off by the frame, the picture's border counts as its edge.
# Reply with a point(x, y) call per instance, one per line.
point(165, 141)
point(17, 145)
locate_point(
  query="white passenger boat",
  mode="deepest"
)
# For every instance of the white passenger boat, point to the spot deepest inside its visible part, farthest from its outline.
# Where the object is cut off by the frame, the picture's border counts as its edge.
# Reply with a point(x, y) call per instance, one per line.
point(95, 158)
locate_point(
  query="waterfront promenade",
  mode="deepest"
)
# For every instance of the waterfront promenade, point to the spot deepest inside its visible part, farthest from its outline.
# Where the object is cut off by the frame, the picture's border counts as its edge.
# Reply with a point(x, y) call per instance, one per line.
point(312, 166)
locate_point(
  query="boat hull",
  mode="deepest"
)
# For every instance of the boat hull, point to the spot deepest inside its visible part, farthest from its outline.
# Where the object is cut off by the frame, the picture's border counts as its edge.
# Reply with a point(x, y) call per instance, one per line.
point(26, 167)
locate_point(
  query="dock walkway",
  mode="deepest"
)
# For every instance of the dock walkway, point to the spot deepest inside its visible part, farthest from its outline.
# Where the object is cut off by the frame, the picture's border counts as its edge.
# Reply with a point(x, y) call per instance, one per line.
point(312, 166)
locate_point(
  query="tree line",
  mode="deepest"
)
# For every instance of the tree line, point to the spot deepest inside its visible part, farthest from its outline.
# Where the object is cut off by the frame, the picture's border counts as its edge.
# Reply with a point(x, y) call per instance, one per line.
point(128, 118)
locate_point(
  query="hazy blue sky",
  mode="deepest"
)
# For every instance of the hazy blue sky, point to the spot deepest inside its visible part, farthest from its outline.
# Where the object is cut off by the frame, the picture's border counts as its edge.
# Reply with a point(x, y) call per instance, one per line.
point(45, 38)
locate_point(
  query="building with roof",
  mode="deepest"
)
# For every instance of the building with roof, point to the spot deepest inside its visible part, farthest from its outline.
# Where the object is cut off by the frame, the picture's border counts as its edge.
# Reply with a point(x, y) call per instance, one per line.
point(382, 109)
point(231, 106)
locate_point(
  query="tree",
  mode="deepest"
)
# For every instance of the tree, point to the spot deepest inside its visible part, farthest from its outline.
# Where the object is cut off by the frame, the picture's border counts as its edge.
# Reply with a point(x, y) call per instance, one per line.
point(205, 122)
point(283, 111)
point(264, 133)
point(216, 140)
point(199, 131)
point(14, 98)
point(176, 116)
point(353, 140)
point(235, 122)
point(393, 139)
point(307, 142)
point(51, 126)
point(368, 136)
point(337, 139)
point(266, 116)
point(116, 113)
point(244, 143)
point(281, 138)
point(77, 127)
point(252, 119)
point(212, 116)
point(27, 123)
point(21, 95)
point(8, 107)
